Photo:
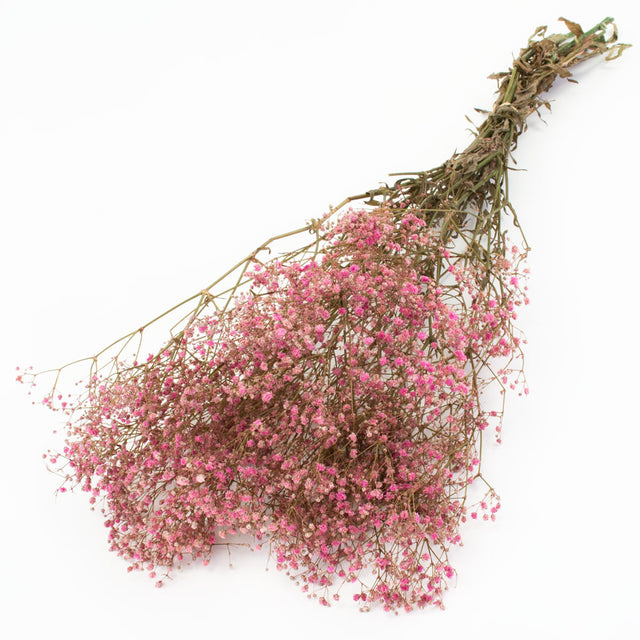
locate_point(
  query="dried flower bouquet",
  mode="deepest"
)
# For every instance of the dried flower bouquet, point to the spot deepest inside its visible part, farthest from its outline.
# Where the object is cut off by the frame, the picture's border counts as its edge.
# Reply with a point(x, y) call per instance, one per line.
point(329, 401)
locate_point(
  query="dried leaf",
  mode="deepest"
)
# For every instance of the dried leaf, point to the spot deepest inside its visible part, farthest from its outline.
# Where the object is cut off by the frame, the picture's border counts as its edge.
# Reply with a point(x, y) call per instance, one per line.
point(540, 31)
point(616, 51)
point(574, 27)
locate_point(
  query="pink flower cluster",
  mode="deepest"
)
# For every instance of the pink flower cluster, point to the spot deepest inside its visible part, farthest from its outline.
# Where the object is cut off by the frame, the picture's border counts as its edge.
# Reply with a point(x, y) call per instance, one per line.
point(333, 412)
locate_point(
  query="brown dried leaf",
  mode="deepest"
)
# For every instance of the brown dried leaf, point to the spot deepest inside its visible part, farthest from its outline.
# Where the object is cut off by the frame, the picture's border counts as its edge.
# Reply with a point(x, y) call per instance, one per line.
point(574, 27)
point(538, 33)
point(616, 51)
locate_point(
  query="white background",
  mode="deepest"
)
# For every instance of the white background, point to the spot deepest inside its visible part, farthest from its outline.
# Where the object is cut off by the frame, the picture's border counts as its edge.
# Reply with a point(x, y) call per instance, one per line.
point(147, 145)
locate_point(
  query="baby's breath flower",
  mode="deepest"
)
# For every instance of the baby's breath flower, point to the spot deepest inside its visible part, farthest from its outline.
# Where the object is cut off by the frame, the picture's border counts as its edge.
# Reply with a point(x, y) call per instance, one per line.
point(331, 405)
